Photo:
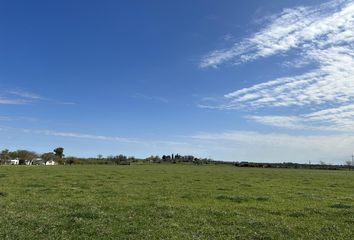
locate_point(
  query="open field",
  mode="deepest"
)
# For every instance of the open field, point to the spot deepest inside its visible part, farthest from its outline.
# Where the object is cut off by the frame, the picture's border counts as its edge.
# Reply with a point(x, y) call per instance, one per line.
point(174, 202)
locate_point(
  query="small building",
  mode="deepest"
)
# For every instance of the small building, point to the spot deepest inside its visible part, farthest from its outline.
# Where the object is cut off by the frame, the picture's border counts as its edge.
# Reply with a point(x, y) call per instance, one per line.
point(50, 163)
point(14, 162)
point(38, 161)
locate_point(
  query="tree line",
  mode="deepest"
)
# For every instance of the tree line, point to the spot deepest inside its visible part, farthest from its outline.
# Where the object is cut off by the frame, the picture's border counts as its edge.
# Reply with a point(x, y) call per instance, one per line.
point(58, 156)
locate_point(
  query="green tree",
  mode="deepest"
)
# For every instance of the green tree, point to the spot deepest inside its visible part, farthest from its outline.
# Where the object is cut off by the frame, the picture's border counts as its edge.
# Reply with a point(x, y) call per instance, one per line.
point(70, 160)
point(26, 155)
point(59, 152)
point(48, 157)
point(4, 155)
point(153, 159)
point(120, 159)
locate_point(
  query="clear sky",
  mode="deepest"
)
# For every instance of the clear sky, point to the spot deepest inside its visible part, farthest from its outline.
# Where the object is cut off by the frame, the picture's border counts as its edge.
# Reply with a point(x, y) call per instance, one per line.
point(232, 80)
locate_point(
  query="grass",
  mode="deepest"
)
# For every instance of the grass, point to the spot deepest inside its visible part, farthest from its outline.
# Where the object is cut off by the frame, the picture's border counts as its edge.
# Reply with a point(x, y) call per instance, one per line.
point(174, 202)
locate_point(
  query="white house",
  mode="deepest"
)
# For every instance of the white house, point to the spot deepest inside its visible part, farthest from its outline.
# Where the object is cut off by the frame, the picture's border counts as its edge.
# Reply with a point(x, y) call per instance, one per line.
point(51, 163)
point(38, 161)
point(15, 162)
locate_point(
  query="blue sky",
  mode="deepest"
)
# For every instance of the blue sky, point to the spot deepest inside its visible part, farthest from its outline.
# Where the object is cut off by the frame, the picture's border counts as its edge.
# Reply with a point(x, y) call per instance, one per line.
point(250, 81)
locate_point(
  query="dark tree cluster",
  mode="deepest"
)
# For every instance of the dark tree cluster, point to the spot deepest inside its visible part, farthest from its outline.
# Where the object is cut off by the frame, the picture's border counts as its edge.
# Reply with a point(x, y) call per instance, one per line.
point(177, 158)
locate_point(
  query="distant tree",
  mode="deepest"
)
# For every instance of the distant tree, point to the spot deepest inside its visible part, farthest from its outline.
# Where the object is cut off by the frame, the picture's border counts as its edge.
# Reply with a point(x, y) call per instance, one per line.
point(25, 154)
point(165, 158)
point(70, 160)
point(99, 156)
point(322, 163)
point(120, 159)
point(59, 152)
point(115, 160)
point(48, 157)
point(153, 159)
point(4, 155)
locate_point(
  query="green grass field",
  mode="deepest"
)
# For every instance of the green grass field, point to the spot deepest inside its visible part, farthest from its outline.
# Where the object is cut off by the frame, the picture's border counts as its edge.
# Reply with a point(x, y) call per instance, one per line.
point(174, 202)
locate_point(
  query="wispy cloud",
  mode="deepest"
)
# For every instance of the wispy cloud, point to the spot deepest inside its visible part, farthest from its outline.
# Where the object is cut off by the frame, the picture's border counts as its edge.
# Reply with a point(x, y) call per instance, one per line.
point(322, 35)
point(81, 136)
point(256, 146)
point(5, 118)
point(12, 101)
point(293, 28)
point(332, 82)
point(62, 102)
point(340, 119)
point(277, 139)
point(21, 97)
point(149, 98)
point(152, 146)
point(17, 97)
point(24, 94)
point(291, 122)
point(102, 137)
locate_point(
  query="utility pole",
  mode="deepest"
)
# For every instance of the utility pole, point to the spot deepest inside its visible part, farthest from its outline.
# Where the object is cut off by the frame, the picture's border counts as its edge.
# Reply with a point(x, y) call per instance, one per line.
point(352, 161)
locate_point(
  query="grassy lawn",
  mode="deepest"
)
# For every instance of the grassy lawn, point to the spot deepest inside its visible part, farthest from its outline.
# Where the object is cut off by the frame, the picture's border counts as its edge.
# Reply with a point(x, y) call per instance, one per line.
point(174, 202)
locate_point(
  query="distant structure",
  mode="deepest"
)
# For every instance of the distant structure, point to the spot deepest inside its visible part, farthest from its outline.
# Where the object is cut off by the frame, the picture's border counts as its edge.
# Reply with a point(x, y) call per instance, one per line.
point(51, 163)
point(15, 162)
point(37, 161)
